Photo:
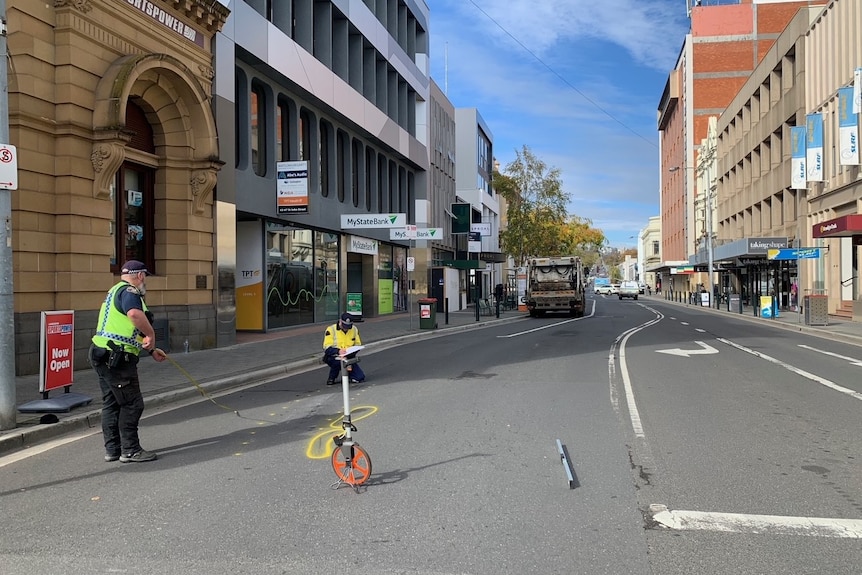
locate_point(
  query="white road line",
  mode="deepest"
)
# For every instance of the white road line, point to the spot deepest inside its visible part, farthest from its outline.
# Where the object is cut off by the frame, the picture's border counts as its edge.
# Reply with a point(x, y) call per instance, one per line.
point(683, 323)
point(697, 329)
point(796, 370)
point(756, 524)
point(852, 360)
point(550, 325)
point(634, 414)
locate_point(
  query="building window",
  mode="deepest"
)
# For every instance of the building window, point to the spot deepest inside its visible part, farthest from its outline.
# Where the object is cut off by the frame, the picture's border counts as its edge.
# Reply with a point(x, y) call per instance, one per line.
point(655, 248)
point(370, 178)
point(356, 164)
point(282, 131)
point(133, 196)
point(343, 161)
point(326, 155)
point(304, 135)
point(258, 129)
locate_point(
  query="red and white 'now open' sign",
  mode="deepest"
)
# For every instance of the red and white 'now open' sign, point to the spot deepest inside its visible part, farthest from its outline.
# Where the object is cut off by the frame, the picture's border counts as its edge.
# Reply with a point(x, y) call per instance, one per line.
point(8, 167)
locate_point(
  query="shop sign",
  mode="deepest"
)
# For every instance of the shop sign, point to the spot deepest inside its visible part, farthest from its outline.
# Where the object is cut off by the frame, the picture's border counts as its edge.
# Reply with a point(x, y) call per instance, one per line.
point(168, 20)
point(762, 245)
point(57, 367)
point(362, 246)
point(363, 221)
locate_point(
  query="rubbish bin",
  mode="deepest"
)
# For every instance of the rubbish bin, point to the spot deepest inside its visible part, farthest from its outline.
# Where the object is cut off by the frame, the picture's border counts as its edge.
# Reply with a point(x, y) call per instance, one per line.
point(428, 313)
point(816, 309)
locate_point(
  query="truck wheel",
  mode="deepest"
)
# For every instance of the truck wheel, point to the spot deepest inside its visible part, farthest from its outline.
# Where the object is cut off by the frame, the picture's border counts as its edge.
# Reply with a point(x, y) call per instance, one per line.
point(636, 298)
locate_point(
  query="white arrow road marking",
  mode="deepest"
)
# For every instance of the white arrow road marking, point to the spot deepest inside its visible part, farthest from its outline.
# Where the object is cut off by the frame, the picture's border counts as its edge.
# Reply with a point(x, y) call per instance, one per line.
point(762, 524)
point(853, 361)
point(796, 370)
point(707, 350)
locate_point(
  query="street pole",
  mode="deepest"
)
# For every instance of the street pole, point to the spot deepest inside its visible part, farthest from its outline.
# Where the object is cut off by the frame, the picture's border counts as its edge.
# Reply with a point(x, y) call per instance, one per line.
point(7, 305)
point(709, 232)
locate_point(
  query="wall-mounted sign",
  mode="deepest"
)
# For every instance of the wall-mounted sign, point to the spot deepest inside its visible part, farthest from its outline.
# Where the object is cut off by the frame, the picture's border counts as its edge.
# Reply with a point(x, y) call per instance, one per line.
point(363, 221)
point(483, 229)
point(168, 20)
point(421, 234)
point(292, 187)
point(359, 245)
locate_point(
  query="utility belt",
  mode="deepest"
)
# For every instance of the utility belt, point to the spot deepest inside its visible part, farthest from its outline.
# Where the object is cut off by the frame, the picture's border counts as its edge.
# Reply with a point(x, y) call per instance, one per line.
point(115, 357)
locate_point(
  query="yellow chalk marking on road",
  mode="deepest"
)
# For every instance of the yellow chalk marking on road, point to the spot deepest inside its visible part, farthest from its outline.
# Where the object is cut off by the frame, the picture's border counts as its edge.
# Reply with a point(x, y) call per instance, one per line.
point(320, 446)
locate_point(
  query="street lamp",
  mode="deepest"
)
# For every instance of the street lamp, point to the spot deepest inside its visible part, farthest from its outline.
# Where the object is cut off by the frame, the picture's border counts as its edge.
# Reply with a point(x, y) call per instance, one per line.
point(709, 230)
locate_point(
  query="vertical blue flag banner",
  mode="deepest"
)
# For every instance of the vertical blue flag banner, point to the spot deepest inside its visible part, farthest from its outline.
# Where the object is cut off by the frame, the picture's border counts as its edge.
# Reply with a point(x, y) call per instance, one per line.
point(797, 158)
point(814, 147)
point(848, 129)
point(857, 91)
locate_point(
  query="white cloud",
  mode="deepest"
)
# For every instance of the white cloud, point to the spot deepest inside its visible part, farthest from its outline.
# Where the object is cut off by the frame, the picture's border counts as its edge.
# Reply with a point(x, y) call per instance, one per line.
point(651, 31)
point(584, 101)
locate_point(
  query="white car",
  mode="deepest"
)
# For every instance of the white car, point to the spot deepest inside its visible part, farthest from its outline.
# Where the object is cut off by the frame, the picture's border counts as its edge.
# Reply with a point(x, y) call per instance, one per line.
point(615, 289)
point(602, 289)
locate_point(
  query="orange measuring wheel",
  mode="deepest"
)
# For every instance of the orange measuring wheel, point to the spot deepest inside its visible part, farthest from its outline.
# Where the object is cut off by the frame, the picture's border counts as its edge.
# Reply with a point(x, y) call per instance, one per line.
point(353, 471)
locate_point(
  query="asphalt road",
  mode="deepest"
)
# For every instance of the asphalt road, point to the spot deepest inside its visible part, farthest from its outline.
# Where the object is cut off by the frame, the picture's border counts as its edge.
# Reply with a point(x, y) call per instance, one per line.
point(739, 453)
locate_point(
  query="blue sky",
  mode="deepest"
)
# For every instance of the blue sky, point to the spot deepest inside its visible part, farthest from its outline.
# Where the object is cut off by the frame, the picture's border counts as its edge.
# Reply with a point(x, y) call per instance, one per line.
point(579, 85)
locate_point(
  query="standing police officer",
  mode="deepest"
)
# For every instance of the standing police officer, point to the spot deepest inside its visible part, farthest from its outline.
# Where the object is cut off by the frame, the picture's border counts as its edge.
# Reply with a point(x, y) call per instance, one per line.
point(123, 330)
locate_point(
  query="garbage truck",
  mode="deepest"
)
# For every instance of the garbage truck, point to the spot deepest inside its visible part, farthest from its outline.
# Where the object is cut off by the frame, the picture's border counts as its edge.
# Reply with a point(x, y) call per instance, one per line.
point(555, 284)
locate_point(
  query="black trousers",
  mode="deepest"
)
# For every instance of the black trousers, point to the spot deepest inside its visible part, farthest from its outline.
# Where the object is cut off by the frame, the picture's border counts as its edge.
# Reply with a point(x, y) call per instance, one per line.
point(122, 402)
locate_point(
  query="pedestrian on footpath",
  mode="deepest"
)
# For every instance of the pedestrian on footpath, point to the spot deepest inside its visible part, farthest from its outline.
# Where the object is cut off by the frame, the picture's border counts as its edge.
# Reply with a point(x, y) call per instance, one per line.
point(124, 329)
point(338, 337)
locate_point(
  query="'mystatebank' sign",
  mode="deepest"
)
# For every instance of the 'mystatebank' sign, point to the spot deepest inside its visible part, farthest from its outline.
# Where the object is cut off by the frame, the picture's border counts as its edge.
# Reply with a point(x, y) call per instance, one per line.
point(362, 221)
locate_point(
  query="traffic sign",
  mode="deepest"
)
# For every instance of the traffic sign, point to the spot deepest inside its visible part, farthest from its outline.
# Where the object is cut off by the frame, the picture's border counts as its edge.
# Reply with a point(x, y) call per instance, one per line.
point(8, 167)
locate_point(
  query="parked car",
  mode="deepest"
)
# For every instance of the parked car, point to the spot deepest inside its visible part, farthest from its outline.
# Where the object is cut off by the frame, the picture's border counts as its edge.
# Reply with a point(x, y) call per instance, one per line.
point(615, 289)
point(629, 289)
point(642, 288)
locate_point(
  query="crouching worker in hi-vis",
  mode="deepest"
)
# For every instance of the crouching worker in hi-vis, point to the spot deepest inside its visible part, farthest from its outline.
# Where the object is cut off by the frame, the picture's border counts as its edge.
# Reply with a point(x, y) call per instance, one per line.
point(339, 336)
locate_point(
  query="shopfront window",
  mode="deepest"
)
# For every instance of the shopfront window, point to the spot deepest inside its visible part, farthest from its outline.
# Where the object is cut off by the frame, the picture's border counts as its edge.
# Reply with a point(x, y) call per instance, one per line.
point(399, 279)
point(290, 276)
point(385, 287)
point(327, 304)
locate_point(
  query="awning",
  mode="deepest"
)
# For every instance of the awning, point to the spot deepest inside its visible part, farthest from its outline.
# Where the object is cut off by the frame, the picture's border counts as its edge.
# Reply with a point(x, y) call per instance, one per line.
point(843, 227)
point(464, 264)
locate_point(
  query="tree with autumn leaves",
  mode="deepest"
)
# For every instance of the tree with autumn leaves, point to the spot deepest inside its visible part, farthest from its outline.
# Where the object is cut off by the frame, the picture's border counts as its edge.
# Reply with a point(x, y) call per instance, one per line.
point(537, 220)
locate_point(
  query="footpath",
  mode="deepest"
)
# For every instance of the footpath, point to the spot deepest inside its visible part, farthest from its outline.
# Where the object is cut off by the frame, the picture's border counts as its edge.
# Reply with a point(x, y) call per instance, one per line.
point(259, 357)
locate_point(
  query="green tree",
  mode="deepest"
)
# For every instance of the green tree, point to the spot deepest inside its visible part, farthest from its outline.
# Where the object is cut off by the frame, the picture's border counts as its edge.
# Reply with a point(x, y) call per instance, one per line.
point(582, 239)
point(537, 222)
